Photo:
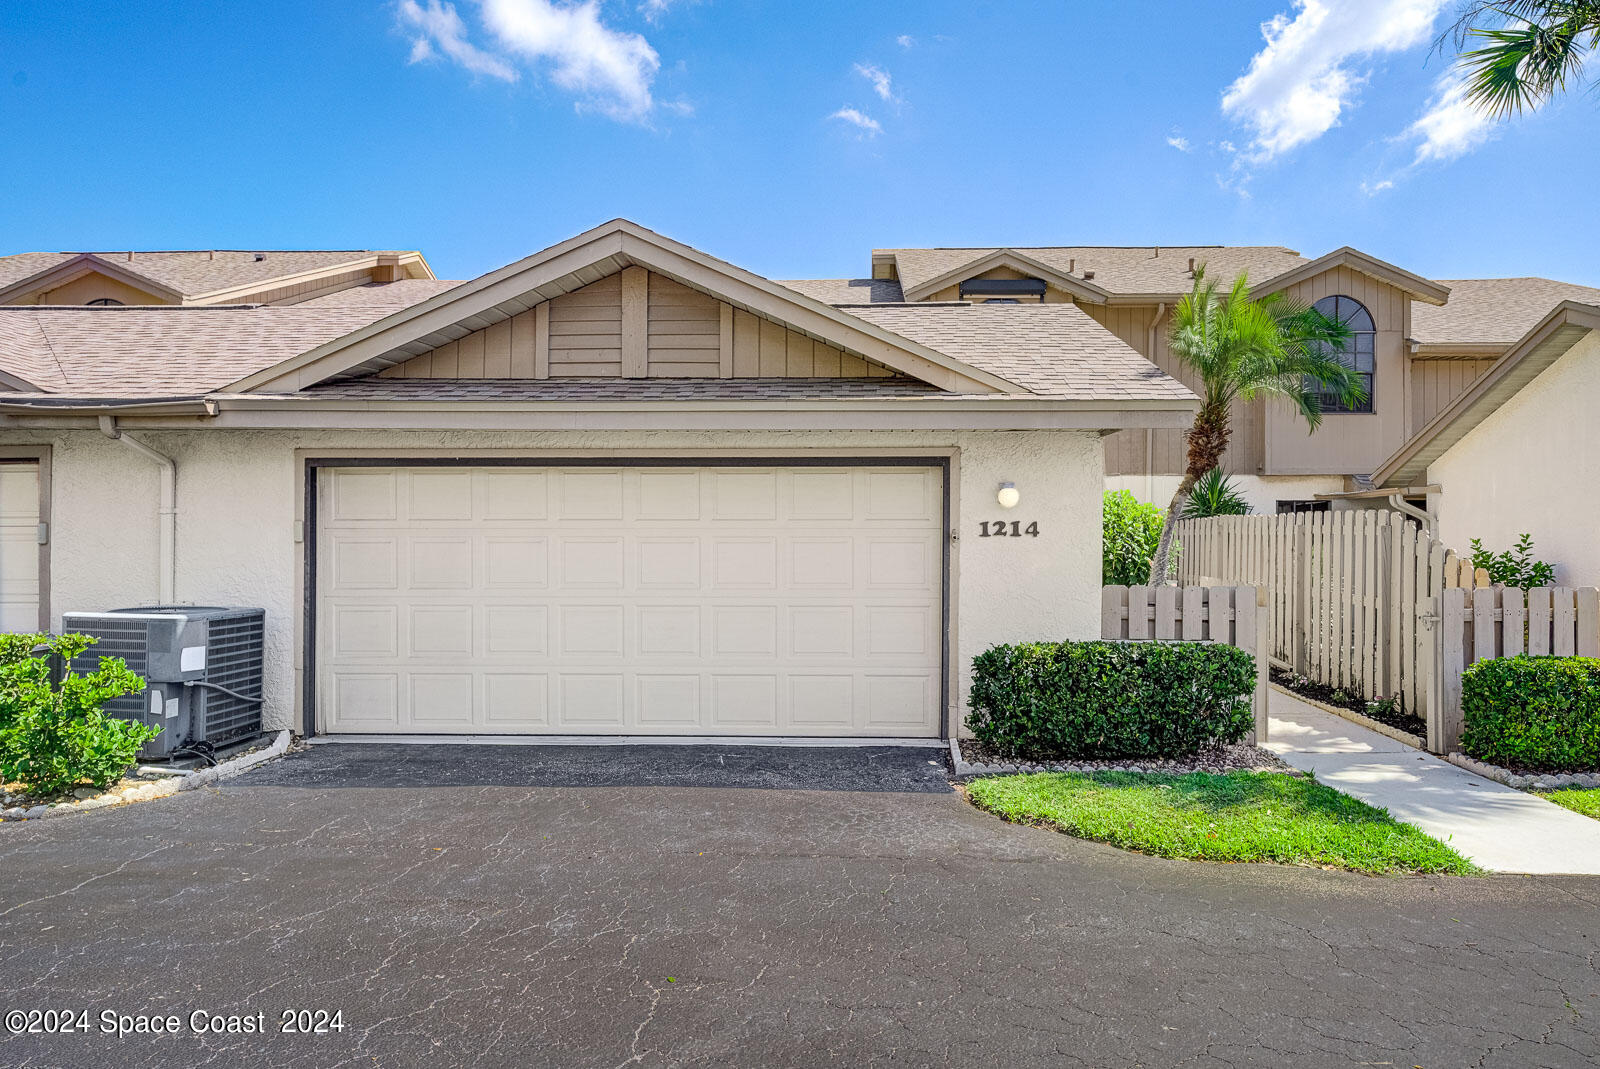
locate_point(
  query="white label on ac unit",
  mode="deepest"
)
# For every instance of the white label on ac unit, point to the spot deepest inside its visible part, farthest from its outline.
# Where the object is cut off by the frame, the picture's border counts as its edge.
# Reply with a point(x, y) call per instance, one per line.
point(155, 703)
point(172, 708)
point(193, 659)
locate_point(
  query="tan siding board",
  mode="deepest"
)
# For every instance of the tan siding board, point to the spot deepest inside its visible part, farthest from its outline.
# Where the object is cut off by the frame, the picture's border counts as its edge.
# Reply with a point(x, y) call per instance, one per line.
point(799, 364)
point(523, 360)
point(724, 340)
point(497, 350)
point(746, 344)
point(826, 360)
point(541, 341)
point(774, 349)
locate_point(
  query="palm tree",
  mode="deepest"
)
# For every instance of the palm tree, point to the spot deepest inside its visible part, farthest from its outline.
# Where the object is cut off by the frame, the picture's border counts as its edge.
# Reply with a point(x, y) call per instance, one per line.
point(1242, 346)
point(1529, 50)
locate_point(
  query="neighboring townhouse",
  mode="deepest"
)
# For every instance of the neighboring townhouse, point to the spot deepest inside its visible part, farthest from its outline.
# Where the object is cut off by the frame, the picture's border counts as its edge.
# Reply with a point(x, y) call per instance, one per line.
point(1438, 357)
point(619, 487)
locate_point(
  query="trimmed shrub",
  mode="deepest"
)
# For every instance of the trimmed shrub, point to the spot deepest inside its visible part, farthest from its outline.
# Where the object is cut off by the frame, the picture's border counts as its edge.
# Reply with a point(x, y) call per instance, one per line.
point(54, 738)
point(1130, 531)
point(1110, 699)
point(1537, 713)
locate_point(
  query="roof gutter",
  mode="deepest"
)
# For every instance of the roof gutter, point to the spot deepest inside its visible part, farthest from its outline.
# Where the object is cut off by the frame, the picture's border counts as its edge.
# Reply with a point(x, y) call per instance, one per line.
point(168, 512)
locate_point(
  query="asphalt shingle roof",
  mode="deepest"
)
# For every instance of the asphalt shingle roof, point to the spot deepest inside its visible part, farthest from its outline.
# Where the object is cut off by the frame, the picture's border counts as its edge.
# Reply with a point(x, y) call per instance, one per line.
point(848, 290)
point(1484, 311)
point(160, 351)
point(192, 273)
point(1117, 269)
point(1053, 350)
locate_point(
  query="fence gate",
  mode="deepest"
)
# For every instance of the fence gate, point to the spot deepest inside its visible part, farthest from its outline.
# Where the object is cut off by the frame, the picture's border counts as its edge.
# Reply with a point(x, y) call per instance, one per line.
point(1363, 600)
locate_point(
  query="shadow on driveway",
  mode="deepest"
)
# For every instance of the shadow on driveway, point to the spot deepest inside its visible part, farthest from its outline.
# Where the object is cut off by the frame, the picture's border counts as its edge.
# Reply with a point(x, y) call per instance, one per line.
point(895, 769)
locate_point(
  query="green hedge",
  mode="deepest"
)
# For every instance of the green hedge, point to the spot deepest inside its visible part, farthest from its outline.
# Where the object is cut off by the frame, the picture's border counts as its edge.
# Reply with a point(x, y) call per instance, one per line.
point(1110, 699)
point(1538, 713)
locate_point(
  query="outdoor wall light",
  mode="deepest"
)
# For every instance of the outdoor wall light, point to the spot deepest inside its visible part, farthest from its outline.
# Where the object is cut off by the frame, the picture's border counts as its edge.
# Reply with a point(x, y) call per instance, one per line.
point(1008, 496)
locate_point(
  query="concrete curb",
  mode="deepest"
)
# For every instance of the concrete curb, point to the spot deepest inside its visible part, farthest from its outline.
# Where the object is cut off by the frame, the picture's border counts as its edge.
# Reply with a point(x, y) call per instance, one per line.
point(968, 770)
point(1355, 718)
point(1543, 781)
point(161, 789)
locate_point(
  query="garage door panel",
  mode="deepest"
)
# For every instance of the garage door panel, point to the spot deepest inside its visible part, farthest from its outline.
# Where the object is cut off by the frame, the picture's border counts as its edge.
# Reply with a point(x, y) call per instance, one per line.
point(513, 495)
point(590, 563)
point(589, 495)
point(668, 563)
point(668, 701)
point(371, 563)
point(516, 701)
point(668, 496)
point(726, 601)
point(510, 561)
point(670, 630)
point(439, 563)
point(514, 630)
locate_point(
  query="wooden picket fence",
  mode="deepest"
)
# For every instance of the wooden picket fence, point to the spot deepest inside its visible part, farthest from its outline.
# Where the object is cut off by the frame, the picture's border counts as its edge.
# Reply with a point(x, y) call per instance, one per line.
point(1496, 621)
point(1227, 615)
point(1356, 599)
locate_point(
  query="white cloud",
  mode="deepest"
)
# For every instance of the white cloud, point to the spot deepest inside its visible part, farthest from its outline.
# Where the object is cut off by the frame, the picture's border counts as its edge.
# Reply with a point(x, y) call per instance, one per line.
point(1372, 189)
point(1300, 83)
point(1451, 126)
point(611, 69)
point(881, 83)
point(865, 123)
point(905, 40)
point(1179, 142)
point(653, 10)
point(441, 31)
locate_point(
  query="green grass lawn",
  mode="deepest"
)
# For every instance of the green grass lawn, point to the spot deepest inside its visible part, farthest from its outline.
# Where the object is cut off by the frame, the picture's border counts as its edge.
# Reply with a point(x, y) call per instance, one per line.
point(1579, 801)
point(1242, 816)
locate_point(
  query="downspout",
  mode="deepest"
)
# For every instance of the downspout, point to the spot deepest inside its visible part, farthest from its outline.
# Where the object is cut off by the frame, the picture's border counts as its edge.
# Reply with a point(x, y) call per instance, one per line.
point(1400, 504)
point(1150, 432)
point(167, 567)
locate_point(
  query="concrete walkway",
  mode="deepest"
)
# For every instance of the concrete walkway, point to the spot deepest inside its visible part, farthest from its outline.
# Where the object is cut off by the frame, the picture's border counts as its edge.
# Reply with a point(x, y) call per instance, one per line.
point(1497, 827)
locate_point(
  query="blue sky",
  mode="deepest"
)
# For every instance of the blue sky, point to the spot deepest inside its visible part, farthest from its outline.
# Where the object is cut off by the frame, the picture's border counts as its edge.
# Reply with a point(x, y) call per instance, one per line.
point(789, 138)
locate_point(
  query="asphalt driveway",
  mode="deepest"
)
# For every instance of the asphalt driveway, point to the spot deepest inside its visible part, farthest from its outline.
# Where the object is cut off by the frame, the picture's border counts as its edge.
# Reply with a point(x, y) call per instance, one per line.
point(527, 906)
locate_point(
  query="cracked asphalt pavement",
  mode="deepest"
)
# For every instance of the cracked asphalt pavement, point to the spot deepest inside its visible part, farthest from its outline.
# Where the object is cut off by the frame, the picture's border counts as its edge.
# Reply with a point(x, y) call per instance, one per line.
point(532, 906)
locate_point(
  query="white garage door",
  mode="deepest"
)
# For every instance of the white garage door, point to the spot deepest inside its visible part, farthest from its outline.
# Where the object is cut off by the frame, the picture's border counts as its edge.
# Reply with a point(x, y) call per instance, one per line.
point(19, 546)
point(735, 600)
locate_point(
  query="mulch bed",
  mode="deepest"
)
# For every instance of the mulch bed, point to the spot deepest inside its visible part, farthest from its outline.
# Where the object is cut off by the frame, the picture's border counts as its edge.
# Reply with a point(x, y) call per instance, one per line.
point(1216, 759)
point(1327, 695)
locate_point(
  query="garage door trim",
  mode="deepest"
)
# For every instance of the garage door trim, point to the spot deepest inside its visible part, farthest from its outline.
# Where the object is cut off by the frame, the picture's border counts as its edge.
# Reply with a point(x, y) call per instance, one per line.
point(311, 524)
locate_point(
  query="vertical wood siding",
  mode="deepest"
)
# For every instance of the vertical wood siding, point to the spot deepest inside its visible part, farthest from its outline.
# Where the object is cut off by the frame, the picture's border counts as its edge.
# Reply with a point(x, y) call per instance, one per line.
point(684, 332)
point(1435, 383)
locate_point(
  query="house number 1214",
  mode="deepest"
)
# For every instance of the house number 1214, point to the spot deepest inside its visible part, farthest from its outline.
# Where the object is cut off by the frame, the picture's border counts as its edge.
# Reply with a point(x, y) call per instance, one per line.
point(1002, 529)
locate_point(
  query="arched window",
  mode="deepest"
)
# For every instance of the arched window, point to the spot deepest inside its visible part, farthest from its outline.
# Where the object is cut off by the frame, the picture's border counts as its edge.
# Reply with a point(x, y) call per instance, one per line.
point(1357, 353)
point(105, 302)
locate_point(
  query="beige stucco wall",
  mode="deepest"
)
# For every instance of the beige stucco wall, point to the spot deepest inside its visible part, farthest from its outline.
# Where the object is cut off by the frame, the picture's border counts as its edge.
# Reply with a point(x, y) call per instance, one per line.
point(237, 509)
point(1532, 466)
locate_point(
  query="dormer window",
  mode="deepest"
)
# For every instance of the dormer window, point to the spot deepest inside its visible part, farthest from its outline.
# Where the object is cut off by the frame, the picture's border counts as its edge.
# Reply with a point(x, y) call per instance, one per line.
point(105, 302)
point(1358, 352)
point(1012, 289)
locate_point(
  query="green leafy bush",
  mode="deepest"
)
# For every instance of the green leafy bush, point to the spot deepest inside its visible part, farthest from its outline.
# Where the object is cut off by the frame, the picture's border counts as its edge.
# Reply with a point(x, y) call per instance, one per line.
point(1110, 699)
point(1214, 494)
point(1130, 531)
point(1515, 567)
point(55, 738)
point(1537, 713)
